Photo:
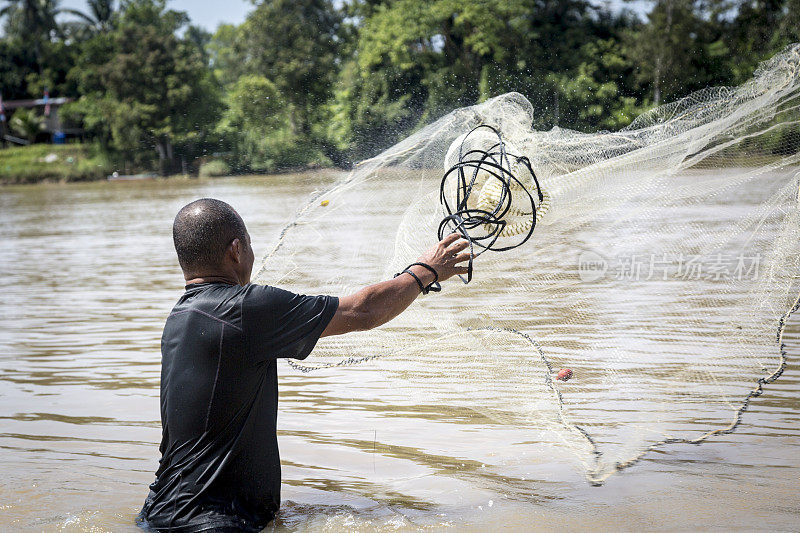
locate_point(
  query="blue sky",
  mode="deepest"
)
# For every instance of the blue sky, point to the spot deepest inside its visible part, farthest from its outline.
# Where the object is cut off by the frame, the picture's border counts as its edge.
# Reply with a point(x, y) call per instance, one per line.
point(210, 13)
point(206, 13)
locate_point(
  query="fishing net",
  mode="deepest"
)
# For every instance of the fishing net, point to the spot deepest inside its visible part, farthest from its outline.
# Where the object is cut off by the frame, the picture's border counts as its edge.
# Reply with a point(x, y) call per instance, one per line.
point(659, 262)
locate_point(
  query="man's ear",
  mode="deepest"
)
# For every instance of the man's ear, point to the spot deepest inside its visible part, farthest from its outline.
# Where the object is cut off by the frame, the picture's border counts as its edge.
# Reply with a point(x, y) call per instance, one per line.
point(235, 250)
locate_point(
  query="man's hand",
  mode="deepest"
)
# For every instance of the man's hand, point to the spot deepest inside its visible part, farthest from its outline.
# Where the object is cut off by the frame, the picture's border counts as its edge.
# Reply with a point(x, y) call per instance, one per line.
point(445, 256)
point(377, 304)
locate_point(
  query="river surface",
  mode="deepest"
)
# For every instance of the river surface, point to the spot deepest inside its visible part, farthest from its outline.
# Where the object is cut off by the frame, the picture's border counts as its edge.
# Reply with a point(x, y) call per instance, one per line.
point(87, 278)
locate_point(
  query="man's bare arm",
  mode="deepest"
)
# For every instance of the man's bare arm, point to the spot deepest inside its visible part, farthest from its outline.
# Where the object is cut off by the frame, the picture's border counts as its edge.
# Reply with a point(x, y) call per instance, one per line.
point(377, 304)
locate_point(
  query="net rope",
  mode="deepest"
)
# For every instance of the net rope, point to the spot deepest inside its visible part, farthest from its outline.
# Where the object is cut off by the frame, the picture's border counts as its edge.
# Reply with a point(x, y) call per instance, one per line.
point(486, 197)
point(658, 262)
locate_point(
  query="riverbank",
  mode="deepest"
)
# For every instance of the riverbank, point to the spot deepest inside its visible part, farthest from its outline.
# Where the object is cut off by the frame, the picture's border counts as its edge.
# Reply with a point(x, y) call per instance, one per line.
point(48, 163)
point(51, 162)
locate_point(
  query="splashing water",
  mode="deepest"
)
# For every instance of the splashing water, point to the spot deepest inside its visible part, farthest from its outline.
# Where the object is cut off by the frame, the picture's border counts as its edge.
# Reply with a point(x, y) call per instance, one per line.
point(705, 297)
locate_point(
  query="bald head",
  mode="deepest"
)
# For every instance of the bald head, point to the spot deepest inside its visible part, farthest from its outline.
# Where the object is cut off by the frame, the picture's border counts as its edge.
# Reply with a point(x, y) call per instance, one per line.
point(203, 231)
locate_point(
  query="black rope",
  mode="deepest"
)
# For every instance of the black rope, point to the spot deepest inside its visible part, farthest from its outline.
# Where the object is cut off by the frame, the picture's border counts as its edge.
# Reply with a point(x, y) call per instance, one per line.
point(460, 218)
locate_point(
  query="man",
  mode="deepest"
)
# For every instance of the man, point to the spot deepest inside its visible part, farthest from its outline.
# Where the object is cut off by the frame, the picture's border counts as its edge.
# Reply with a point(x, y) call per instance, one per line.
point(220, 468)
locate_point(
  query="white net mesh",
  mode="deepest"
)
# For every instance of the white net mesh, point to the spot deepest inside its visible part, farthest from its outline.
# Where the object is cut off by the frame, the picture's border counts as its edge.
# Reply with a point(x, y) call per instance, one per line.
point(662, 266)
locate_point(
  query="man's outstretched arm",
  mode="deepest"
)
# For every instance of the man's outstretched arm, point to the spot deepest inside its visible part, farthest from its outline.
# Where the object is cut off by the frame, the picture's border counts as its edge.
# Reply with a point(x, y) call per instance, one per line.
point(377, 304)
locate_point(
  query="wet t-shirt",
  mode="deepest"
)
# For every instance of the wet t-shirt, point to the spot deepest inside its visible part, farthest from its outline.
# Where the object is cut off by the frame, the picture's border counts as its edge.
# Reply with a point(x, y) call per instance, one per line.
point(220, 468)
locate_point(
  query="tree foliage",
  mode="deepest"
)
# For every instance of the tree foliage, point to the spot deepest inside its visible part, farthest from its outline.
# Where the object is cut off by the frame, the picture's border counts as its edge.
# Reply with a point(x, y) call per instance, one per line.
point(293, 43)
point(101, 16)
point(146, 89)
point(258, 126)
point(26, 124)
point(318, 82)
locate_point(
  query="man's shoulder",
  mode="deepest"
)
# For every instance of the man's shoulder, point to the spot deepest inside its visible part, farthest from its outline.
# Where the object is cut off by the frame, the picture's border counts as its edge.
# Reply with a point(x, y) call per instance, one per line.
point(262, 302)
point(215, 301)
point(264, 297)
point(254, 290)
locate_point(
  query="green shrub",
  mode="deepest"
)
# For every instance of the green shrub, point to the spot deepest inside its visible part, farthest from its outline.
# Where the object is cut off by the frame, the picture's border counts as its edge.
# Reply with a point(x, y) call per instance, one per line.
point(217, 167)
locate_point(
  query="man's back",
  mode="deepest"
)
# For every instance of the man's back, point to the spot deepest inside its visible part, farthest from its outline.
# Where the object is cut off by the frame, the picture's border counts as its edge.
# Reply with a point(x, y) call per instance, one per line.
point(220, 466)
point(220, 469)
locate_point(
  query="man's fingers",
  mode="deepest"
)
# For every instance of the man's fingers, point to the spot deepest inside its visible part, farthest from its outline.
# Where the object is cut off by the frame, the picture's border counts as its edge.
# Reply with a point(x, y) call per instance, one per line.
point(458, 246)
point(450, 239)
point(460, 258)
point(461, 270)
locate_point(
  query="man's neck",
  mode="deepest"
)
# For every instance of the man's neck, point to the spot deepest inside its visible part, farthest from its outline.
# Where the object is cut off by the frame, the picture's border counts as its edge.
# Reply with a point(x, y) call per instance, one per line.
point(221, 278)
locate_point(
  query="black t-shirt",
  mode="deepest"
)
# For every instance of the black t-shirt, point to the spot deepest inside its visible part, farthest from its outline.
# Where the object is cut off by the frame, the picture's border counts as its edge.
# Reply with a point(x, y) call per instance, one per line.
point(220, 468)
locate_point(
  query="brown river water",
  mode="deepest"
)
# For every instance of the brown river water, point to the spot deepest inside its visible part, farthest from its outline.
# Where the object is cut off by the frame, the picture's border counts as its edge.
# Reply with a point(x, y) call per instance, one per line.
point(87, 278)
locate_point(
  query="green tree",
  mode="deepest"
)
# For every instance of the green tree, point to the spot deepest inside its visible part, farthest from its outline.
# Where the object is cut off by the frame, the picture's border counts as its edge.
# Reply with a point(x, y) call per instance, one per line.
point(12, 75)
point(37, 18)
point(101, 16)
point(34, 52)
point(201, 39)
point(678, 51)
point(758, 30)
point(225, 56)
point(592, 98)
point(789, 27)
point(144, 88)
point(413, 62)
point(256, 104)
point(417, 60)
point(34, 21)
point(257, 125)
point(294, 44)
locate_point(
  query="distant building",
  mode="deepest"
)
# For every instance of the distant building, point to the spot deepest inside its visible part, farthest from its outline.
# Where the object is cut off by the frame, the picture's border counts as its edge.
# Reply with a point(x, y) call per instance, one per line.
point(49, 108)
